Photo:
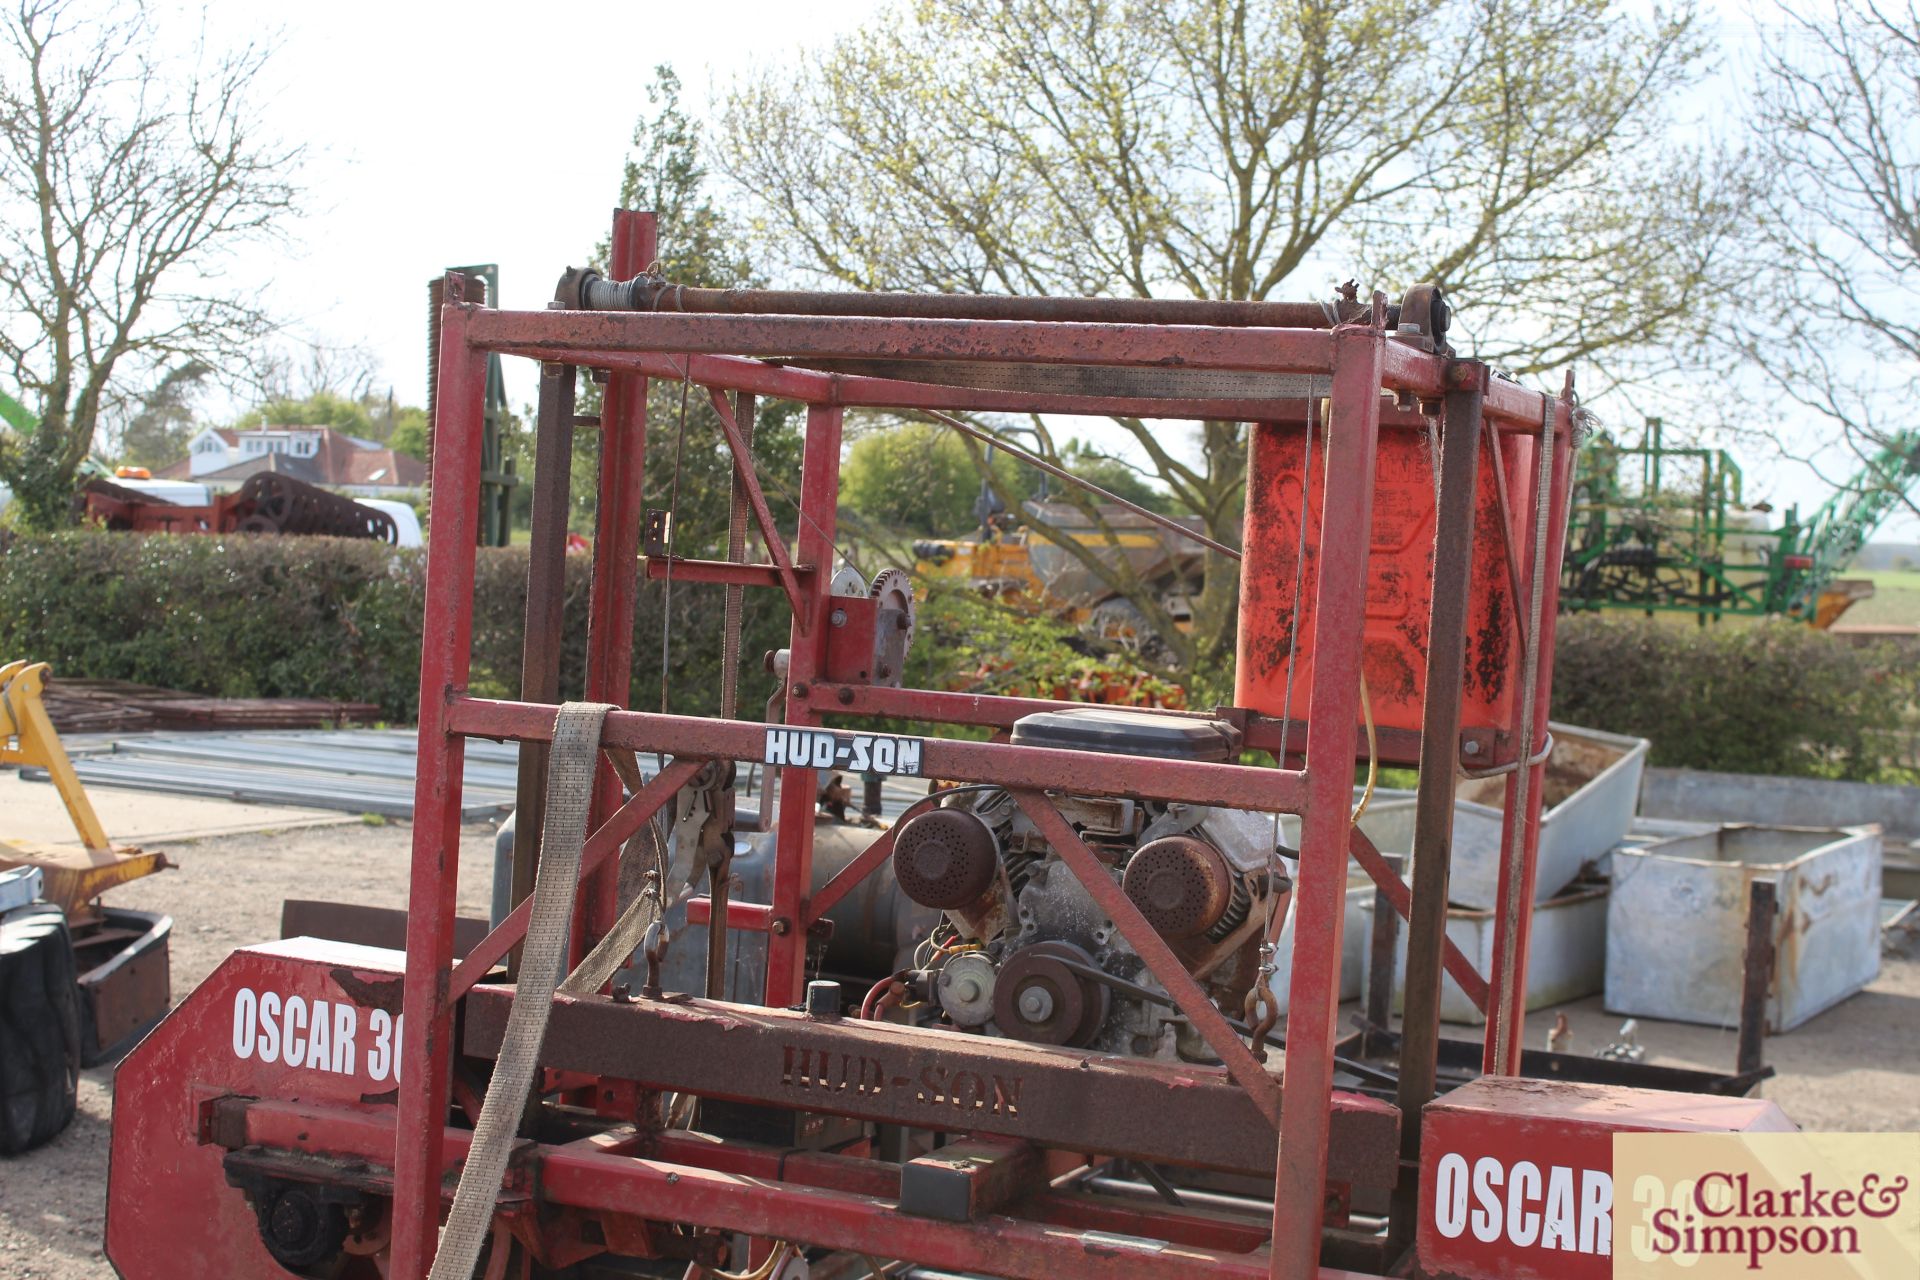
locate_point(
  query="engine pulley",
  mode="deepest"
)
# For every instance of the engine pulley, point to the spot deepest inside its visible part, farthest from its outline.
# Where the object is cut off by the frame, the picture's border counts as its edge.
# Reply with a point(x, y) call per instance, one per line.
point(1039, 999)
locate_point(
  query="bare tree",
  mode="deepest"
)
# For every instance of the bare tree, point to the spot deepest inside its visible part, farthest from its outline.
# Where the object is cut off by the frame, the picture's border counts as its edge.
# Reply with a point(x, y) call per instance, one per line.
point(124, 181)
point(1838, 124)
point(1510, 149)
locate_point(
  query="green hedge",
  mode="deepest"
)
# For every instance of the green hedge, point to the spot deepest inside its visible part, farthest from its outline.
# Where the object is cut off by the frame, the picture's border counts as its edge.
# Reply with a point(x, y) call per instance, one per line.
point(325, 617)
point(1768, 697)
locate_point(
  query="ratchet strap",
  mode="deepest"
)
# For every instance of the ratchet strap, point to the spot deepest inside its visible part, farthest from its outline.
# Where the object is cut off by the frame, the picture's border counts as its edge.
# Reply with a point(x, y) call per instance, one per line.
point(570, 768)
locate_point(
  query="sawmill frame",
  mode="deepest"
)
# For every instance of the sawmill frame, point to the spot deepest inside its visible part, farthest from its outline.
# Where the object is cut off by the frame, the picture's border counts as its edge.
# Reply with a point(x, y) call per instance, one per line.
point(632, 1177)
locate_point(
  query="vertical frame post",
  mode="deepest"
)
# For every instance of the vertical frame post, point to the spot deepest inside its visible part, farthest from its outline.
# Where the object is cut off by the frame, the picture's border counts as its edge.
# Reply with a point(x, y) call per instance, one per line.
point(445, 652)
point(1346, 527)
point(1513, 918)
point(1439, 758)
point(813, 545)
point(546, 603)
point(616, 570)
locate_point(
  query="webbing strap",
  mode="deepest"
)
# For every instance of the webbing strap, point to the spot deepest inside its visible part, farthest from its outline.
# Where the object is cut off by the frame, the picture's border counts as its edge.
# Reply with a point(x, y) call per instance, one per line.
point(570, 769)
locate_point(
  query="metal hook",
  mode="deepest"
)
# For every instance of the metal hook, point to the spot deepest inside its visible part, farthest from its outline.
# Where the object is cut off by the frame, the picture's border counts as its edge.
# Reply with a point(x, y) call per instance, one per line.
point(654, 946)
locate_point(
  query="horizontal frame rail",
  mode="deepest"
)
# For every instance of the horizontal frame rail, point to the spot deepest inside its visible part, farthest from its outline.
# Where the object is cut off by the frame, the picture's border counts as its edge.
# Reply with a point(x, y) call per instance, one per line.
point(602, 1174)
point(931, 1078)
point(948, 759)
point(614, 340)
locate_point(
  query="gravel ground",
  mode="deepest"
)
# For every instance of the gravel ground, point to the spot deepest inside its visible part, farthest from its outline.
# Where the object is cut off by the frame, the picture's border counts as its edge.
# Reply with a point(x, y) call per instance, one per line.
point(1855, 1067)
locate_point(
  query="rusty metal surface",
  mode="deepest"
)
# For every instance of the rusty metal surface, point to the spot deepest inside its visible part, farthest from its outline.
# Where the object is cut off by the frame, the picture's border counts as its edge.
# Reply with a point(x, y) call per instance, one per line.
point(125, 979)
point(945, 858)
point(1185, 1115)
point(591, 292)
point(1756, 964)
point(1089, 382)
point(1363, 358)
point(366, 926)
point(267, 503)
point(1045, 768)
point(546, 601)
point(1181, 884)
point(1453, 555)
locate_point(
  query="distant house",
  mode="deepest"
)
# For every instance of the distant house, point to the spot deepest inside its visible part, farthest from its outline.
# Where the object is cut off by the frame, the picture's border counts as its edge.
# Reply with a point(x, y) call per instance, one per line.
point(223, 459)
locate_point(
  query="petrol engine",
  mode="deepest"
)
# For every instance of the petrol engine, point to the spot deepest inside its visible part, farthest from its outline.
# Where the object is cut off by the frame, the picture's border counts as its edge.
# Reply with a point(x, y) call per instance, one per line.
point(1024, 951)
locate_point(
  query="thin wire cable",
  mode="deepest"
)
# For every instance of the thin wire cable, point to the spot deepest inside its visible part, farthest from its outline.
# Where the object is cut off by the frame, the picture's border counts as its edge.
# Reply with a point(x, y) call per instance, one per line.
point(1373, 753)
point(773, 1260)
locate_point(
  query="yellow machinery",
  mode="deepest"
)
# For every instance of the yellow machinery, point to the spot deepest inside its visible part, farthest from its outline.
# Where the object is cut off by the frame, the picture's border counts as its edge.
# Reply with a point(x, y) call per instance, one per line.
point(73, 877)
point(79, 981)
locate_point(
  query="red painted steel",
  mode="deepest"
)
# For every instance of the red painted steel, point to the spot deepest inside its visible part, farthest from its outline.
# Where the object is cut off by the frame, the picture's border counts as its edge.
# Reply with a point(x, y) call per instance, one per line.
point(1544, 1153)
point(793, 872)
point(1332, 708)
point(615, 589)
point(1508, 1001)
point(1369, 476)
point(446, 649)
point(606, 840)
point(722, 572)
point(551, 334)
point(949, 759)
point(754, 916)
point(1458, 967)
point(762, 515)
point(848, 878)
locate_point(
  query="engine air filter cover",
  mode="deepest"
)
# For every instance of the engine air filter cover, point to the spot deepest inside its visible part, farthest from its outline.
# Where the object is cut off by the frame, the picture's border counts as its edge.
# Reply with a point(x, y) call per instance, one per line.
point(945, 858)
point(1128, 731)
point(1181, 884)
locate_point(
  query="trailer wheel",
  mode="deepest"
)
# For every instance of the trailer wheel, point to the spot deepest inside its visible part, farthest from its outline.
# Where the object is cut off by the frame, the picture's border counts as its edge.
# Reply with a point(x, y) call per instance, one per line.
point(39, 1027)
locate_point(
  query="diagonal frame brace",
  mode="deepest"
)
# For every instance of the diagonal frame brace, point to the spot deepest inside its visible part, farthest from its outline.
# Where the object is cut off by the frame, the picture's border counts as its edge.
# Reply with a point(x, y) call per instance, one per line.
point(1161, 962)
point(848, 878)
point(762, 515)
point(1459, 968)
point(608, 840)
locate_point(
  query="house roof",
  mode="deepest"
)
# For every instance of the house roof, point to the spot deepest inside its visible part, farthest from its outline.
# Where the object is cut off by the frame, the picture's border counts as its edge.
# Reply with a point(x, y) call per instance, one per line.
point(338, 459)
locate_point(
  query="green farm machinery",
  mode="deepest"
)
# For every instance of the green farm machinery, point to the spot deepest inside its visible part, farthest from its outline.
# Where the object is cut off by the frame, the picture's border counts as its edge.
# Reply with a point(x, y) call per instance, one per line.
point(1662, 528)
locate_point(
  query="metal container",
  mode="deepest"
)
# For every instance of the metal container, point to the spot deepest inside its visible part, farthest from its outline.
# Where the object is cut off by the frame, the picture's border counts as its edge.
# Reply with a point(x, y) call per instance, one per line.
point(1353, 944)
point(1566, 961)
point(1676, 927)
point(1592, 788)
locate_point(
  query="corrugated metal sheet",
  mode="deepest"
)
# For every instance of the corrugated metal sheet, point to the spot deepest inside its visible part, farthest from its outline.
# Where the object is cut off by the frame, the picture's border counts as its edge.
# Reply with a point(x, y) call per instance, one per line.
point(352, 770)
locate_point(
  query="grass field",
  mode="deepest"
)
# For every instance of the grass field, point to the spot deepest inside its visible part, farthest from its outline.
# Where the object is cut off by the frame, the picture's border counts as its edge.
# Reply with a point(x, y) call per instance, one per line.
point(1896, 599)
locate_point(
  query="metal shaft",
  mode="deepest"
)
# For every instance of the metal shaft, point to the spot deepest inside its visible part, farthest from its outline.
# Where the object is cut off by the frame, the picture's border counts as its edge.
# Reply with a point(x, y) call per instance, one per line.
point(646, 293)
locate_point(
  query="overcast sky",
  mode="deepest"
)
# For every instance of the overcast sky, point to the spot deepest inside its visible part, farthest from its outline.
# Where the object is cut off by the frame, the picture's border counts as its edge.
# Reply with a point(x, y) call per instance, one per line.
point(441, 134)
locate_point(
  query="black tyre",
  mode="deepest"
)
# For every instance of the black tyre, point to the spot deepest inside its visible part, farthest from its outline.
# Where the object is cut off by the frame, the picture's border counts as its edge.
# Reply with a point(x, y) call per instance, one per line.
point(39, 1027)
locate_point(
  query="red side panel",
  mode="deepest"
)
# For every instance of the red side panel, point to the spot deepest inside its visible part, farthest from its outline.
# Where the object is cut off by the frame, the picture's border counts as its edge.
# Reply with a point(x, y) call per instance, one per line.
point(252, 1028)
point(1516, 1176)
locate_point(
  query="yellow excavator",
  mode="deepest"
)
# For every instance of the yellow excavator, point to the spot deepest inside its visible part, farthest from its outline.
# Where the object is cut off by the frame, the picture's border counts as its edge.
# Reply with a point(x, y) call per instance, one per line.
point(79, 981)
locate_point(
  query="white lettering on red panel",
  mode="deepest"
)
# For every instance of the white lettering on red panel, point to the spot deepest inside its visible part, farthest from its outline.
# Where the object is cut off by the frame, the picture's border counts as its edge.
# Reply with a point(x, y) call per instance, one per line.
point(315, 1035)
point(1558, 1207)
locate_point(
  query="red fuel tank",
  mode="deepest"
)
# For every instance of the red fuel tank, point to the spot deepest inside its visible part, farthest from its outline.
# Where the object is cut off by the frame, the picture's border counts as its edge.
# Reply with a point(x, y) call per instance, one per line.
point(1399, 578)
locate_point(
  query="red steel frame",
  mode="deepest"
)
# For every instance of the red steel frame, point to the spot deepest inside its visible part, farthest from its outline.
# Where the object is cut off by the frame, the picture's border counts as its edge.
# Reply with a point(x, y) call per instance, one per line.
point(1360, 360)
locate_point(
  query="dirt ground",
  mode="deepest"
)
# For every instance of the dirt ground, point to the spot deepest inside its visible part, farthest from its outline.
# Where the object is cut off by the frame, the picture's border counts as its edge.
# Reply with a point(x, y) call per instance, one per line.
point(1855, 1067)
